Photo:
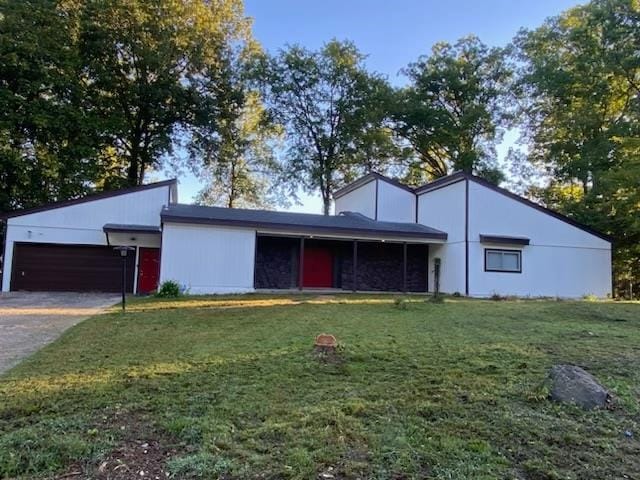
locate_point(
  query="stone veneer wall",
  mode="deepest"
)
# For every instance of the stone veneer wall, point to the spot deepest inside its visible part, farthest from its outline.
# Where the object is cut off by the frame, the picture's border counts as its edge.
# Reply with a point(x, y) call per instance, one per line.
point(276, 262)
point(380, 267)
point(379, 264)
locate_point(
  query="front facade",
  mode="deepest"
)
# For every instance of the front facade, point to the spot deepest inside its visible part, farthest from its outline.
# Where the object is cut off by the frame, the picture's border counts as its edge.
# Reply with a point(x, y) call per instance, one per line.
point(385, 236)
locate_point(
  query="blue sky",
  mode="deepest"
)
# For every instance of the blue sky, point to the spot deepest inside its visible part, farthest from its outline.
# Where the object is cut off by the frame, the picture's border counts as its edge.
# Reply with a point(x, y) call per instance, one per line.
point(392, 33)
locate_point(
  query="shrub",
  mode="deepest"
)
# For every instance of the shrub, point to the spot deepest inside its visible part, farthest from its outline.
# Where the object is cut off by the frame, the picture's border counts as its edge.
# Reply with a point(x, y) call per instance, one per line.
point(168, 289)
point(456, 294)
point(496, 297)
point(590, 297)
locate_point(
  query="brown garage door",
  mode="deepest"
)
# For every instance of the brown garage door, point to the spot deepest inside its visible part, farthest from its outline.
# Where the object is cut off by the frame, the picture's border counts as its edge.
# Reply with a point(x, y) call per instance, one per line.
point(69, 268)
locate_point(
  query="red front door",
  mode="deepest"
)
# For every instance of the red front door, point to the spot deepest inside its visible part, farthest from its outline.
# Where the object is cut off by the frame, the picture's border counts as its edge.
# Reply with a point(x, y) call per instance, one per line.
point(148, 269)
point(317, 268)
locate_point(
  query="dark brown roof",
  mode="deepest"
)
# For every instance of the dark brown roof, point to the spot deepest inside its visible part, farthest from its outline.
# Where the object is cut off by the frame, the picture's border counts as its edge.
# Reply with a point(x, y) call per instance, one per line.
point(88, 198)
point(369, 177)
point(348, 223)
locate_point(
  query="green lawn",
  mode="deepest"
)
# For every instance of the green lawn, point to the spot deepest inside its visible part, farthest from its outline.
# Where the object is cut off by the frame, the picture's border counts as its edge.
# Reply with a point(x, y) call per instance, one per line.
point(229, 388)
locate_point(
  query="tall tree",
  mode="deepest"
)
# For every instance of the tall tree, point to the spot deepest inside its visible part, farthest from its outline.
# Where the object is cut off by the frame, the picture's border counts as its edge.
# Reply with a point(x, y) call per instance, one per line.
point(47, 135)
point(452, 110)
point(93, 94)
point(329, 105)
point(149, 62)
point(235, 153)
point(580, 92)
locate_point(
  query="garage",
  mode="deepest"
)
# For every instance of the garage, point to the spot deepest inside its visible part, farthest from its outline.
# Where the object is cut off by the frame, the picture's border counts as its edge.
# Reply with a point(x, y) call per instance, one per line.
point(69, 268)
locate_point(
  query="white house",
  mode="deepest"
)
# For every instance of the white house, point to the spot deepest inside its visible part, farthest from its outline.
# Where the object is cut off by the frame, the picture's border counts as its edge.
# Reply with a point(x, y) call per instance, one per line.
point(385, 236)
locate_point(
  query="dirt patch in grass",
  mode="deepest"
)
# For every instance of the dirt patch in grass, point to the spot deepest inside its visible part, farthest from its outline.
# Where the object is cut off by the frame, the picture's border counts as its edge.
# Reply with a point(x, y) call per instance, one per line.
point(330, 355)
point(142, 451)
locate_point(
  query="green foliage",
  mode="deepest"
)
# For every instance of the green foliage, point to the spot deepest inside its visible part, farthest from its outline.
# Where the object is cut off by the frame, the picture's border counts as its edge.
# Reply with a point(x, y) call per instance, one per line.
point(452, 109)
point(169, 289)
point(580, 91)
point(94, 94)
point(333, 112)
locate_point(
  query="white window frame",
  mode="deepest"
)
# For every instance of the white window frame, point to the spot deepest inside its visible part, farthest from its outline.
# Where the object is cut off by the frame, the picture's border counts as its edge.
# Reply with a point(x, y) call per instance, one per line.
point(502, 251)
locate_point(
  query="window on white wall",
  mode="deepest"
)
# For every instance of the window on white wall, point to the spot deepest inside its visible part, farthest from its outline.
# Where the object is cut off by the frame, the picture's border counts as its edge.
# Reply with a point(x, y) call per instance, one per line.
point(502, 260)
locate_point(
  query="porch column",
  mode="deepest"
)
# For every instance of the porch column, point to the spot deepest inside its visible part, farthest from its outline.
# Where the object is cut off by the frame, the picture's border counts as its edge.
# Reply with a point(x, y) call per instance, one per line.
point(355, 265)
point(301, 263)
point(404, 267)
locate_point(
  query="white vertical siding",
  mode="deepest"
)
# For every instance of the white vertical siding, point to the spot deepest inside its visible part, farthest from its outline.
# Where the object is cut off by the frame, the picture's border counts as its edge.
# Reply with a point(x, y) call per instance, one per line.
point(208, 259)
point(561, 260)
point(361, 200)
point(444, 209)
point(395, 204)
point(81, 224)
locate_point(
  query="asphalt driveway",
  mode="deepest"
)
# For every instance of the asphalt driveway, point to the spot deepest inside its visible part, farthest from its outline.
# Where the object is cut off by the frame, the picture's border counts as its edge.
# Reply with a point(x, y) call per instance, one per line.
point(29, 321)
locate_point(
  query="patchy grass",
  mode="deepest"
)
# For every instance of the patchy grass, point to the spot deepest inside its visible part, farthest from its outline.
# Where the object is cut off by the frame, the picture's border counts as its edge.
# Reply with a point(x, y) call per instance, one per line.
point(229, 387)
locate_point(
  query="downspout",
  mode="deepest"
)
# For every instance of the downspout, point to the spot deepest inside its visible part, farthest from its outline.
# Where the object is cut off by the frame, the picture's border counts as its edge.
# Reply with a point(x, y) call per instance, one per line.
point(466, 237)
point(4, 252)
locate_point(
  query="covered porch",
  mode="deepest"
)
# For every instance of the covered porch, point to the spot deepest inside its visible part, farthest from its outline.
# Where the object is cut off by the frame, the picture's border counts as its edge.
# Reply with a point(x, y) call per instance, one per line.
point(309, 262)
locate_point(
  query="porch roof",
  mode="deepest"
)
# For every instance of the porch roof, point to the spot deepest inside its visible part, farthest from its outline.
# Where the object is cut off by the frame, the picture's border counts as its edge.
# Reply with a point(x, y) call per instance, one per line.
point(346, 224)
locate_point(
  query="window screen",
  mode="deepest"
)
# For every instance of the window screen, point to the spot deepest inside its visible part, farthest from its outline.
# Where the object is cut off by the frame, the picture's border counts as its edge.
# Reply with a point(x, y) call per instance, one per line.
point(502, 260)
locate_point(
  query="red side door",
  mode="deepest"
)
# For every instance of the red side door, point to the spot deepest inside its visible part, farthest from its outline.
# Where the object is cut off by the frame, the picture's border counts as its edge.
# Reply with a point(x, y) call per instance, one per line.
point(317, 268)
point(148, 269)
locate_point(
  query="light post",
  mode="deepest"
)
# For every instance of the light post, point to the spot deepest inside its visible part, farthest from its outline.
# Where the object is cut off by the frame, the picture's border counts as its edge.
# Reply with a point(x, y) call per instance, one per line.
point(123, 253)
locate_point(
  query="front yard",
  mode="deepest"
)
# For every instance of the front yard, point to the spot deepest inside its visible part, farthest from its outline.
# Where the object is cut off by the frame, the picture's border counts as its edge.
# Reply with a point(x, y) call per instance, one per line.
point(229, 387)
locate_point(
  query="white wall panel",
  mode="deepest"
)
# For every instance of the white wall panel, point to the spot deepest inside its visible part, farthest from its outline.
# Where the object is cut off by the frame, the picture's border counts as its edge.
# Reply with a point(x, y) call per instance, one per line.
point(361, 200)
point(451, 267)
point(444, 209)
point(208, 259)
point(561, 260)
point(395, 204)
point(81, 224)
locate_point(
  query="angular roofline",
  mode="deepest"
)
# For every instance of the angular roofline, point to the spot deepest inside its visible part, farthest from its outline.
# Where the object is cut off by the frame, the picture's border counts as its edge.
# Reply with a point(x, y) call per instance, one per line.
point(450, 179)
point(368, 178)
point(88, 198)
point(458, 176)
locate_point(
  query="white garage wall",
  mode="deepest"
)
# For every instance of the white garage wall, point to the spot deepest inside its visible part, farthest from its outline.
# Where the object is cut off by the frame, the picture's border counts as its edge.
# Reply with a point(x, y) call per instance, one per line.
point(361, 200)
point(561, 260)
point(208, 259)
point(81, 224)
point(444, 209)
point(395, 204)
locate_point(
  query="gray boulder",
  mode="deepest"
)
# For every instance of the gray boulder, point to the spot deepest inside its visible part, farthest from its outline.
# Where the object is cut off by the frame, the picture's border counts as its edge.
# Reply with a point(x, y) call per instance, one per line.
point(571, 384)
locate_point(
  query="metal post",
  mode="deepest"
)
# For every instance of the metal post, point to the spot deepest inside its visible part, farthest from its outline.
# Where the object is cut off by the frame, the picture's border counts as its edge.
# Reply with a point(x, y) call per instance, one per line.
point(301, 264)
point(124, 280)
point(355, 265)
point(404, 267)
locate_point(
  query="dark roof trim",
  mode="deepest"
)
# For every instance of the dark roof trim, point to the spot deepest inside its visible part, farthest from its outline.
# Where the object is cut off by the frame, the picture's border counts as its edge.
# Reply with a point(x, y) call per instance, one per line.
point(441, 182)
point(504, 239)
point(368, 178)
point(120, 228)
point(88, 198)
point(302, 228)
point(458, 176)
